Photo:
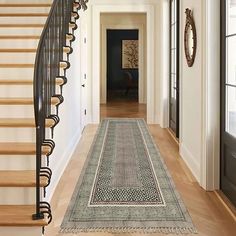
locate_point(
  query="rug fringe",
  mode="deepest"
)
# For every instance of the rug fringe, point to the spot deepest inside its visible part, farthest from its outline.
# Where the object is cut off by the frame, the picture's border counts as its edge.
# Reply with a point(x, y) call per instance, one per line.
point(163, 230)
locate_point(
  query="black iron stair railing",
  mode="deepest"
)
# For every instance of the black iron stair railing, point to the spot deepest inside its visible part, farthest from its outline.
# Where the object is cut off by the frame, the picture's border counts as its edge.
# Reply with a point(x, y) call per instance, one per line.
point(49, 64)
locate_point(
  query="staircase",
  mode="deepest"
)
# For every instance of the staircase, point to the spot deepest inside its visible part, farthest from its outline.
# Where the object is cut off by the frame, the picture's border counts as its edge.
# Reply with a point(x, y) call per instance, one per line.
point(24, 169)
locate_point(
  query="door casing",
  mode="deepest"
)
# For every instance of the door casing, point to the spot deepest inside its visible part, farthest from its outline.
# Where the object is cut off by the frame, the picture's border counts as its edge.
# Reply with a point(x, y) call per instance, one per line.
point(228, 142)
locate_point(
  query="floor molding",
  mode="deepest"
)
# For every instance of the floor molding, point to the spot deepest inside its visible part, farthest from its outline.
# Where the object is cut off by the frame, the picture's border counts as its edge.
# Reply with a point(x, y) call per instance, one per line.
point(190, 160)
point(227, 204)
point(173, 136)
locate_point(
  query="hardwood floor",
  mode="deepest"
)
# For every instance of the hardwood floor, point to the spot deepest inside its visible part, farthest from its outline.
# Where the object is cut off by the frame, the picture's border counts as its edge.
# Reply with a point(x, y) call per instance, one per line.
point(123, 109)
point(208, 213)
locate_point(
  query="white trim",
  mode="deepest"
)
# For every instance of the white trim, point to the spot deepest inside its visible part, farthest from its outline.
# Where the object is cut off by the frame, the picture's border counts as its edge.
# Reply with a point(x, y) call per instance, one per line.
point(210, 162)
point(140, 28)
point(190, 160)
point(124, 8)
point(82, 35)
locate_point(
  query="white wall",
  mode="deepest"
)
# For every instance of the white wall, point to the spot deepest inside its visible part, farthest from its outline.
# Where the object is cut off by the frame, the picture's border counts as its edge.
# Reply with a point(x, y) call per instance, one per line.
point(191, 93)
point(68, 132)
point(200, 94)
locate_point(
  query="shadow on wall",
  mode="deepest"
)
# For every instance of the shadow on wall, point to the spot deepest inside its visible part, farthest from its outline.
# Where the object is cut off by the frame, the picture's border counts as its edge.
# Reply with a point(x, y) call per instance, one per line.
point(121, 83)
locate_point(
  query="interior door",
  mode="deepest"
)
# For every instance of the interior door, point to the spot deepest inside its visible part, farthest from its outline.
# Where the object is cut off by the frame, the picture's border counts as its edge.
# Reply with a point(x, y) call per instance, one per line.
point(228, 100)
point(174, 68)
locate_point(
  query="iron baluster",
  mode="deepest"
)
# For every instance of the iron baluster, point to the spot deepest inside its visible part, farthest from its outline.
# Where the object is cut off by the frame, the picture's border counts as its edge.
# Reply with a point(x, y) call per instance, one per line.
point(50, 53)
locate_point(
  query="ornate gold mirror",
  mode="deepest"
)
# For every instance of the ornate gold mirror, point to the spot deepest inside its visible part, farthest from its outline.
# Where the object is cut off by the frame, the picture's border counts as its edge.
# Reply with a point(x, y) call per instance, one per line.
point(190, 38)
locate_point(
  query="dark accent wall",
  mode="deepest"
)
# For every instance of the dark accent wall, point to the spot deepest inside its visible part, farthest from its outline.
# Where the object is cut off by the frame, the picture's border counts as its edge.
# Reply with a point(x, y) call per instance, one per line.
point(115, 73)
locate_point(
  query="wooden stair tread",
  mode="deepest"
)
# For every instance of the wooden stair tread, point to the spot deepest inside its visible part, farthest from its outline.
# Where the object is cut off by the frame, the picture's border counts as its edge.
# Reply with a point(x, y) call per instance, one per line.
point(16, 65)
point(19, 37)
point(26, 65)
point(16, 82)
point(22, 122)
point(28, 25)
point(26, 178)
point(27, 50)
point(17, 148)
point(19, 215)
point(18, 50)
point(59, 81)
point(24, 101)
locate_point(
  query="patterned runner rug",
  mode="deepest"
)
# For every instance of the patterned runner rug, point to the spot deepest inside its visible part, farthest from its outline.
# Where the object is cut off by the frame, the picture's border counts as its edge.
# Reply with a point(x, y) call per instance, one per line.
point(125, 186)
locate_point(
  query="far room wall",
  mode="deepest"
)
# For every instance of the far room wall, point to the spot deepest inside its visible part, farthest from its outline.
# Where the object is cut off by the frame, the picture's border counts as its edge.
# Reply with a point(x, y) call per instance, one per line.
point(115, 72)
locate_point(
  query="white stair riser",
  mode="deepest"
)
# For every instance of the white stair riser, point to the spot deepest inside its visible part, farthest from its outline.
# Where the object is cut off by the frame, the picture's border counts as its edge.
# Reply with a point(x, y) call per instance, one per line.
point(17, 134)
point(17, 196)
point(16, 57)
point(19, 73)
point(22, 20)
point(22, 57)
point(19, 43)
point(17, 162)
point(21, 31)
point(16, 73)
point(16, 91)
point(16, 111)
point(21, 231)
point(24, 10)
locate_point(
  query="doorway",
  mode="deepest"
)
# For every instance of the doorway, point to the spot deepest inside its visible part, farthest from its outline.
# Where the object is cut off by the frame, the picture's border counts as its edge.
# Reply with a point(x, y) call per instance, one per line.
point(122, 65)
point(228, 99)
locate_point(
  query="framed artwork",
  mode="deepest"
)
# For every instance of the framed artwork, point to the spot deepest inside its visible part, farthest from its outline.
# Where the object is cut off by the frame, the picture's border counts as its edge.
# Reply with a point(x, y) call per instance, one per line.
point(130, 54)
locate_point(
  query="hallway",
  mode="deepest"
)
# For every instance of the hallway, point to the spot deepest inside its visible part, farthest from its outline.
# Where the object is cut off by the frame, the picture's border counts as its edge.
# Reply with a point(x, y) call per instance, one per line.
point(208, 213)
point(166, 63)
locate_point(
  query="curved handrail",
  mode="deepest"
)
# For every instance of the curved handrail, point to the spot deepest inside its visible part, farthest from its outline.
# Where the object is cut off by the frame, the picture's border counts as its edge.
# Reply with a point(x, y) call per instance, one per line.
point(48, 63)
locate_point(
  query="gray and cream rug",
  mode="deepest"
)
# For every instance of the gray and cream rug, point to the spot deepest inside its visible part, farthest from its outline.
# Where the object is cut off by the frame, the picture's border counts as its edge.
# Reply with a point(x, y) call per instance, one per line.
point(125, 186)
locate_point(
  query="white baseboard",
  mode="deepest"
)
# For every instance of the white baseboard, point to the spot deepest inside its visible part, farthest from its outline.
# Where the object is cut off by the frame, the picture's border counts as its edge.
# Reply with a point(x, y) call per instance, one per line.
point(66, 156)
point(191, 162)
